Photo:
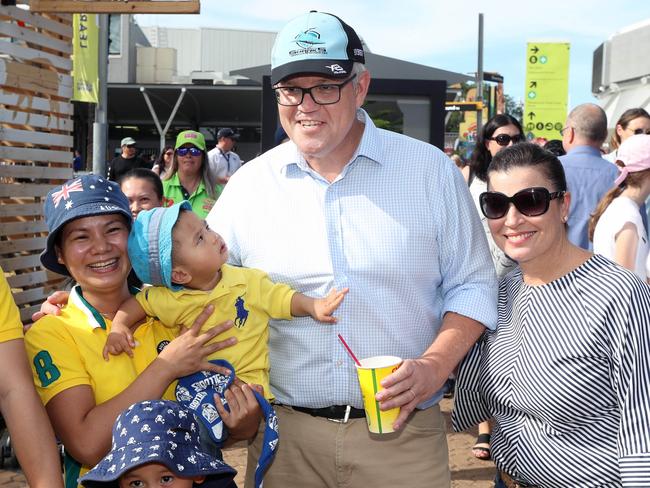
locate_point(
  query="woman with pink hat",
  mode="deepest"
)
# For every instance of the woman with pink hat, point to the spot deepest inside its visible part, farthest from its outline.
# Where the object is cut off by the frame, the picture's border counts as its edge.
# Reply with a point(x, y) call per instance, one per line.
point(616, 227)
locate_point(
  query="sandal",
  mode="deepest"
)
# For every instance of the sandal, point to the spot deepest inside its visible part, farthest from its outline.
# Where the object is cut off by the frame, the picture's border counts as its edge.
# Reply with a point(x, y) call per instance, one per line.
point(481, 452)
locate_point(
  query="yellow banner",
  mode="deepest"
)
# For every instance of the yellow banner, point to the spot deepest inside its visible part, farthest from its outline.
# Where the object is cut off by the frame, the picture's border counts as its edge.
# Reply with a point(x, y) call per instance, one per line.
point(84, 52)
point(547, 89)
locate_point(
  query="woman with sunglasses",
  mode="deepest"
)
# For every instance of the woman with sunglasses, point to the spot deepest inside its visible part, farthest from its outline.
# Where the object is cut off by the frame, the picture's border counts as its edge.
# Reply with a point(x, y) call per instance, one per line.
point(616, 227)
point(163, 164)
point(631, 122)
point(499, 132)
point(190, 177)
point(565, 374)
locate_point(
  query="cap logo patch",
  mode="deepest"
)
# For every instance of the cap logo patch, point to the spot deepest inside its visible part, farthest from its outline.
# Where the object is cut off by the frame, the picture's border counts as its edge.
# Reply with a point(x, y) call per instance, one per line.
point(336, 69)
point(190, 135)
point(308, 40)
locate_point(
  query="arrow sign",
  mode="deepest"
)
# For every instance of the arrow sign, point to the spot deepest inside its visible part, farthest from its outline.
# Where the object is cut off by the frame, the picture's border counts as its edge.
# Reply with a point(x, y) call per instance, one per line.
point(533, 84)
point(531, 115)
point(535, 49)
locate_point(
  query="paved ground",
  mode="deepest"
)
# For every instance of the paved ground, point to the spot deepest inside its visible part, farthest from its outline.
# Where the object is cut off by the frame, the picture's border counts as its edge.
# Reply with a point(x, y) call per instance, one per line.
point(466, 471)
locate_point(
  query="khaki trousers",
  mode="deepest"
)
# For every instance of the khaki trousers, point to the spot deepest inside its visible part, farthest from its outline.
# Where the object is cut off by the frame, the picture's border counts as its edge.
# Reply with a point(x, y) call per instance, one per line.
point(315, 452)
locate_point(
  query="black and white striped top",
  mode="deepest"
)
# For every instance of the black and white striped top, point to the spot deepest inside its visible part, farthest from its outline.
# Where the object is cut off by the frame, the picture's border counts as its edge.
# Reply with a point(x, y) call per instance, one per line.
point(566, 376)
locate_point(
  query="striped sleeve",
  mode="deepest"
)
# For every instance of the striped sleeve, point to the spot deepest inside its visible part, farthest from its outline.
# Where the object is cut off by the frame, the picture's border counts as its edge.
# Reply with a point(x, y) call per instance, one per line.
point(469, 407)
point(630, 330)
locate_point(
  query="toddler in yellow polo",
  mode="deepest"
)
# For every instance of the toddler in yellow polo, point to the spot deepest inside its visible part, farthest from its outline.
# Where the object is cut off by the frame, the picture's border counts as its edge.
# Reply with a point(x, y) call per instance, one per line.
point(174, 250)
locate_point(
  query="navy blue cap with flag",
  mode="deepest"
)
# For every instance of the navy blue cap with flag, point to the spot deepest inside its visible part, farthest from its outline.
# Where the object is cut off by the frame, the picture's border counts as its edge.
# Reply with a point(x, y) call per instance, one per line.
point(196, 392)
point(315, 43)
point(86, 196)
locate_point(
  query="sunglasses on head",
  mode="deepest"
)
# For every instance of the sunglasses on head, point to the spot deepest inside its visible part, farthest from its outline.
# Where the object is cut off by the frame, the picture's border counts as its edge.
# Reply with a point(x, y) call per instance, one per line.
point(641, 131)
point(504, 139)
point(194, 151)
point(531, 202)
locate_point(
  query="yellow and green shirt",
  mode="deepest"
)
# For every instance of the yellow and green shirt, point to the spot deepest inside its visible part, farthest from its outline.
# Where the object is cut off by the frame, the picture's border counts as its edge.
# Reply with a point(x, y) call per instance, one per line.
point(200, 200)
point(66, 351)
point(10, 325)
point(247, 297)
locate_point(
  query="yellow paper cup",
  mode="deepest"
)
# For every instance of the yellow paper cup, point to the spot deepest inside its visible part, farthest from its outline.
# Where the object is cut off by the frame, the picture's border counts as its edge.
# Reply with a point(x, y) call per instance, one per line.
point(371, 372)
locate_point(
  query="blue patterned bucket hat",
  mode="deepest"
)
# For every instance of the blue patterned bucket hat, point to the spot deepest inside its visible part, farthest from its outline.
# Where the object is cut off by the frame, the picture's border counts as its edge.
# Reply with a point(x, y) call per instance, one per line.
point(86, 196)
point(197, 393)
point(161, 432)
point(150, 244)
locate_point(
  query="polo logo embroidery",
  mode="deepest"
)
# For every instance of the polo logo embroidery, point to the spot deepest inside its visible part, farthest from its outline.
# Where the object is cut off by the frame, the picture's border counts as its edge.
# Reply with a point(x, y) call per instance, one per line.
point(242, 313)
point(161, 345)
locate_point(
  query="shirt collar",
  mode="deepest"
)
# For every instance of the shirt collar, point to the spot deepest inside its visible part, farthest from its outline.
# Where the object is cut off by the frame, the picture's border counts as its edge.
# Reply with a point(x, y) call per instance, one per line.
point(369, 147)
point(585, 150)
point(175, 181)
point(95, 318)
point(231, 276)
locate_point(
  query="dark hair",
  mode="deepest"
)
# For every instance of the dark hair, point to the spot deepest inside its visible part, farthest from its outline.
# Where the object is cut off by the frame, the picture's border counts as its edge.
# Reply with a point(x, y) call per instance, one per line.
point(529, 155)
point(481, 157)
point(624, 120)
point(160, 160)
point(144, 174)
point(555, 146)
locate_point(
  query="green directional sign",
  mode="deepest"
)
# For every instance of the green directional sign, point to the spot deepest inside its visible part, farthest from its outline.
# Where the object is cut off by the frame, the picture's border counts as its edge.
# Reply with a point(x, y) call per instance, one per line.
point(547, 88)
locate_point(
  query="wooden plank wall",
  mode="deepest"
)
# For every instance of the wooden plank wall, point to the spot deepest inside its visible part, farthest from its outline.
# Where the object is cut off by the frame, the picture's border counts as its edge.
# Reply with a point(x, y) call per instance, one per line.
point(35, 142)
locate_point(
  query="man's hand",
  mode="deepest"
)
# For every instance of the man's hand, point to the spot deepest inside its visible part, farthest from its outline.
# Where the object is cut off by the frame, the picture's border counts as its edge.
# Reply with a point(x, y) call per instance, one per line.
point(414, 382)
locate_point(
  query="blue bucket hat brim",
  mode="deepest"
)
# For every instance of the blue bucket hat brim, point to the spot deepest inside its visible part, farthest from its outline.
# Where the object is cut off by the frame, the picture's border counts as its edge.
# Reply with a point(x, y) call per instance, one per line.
point(150, 244)
point(87, 196)
point(218, 474)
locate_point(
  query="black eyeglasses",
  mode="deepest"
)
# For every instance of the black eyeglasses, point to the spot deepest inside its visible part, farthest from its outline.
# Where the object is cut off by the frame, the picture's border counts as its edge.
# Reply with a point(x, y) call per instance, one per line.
point(194, 151)
point(641, 131)
point(325, 94)
point(504, 139)
point(531, 202)
point(131, 146)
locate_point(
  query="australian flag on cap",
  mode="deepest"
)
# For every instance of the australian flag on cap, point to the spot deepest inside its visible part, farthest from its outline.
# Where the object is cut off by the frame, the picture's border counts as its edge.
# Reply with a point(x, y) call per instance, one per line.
point(315, 43)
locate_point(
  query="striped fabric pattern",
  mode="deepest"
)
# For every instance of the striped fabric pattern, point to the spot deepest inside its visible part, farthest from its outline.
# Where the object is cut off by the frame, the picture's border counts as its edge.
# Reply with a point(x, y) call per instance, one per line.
point(566, 376)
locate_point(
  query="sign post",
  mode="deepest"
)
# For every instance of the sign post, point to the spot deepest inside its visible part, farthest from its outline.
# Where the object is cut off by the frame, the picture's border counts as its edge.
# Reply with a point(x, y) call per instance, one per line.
point(547, 89)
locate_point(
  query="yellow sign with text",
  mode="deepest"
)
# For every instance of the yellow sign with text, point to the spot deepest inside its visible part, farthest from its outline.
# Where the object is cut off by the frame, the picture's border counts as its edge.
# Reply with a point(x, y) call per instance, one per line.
point(85, 71)
point(547, 89)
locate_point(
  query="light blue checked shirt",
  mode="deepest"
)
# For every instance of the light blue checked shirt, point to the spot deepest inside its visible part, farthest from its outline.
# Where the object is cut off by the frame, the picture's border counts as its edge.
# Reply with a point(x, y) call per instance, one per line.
point(397, 226)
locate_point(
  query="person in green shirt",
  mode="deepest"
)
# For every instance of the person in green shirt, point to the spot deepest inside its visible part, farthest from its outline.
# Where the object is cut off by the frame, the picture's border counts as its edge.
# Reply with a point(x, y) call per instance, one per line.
point(190, 177)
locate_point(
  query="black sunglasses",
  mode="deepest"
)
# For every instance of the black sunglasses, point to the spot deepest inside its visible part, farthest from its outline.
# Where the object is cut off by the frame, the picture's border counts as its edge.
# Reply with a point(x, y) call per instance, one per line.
point(531, 202)
point(504, 139)
point(182, 151)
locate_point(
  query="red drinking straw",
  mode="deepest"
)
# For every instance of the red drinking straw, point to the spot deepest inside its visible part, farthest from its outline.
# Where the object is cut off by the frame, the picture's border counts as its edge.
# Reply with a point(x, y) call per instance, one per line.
point(345, 344)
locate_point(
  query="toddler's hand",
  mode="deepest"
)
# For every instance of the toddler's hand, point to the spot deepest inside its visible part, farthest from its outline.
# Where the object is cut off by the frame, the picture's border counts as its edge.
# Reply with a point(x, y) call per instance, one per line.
point(325, 307)
point(117, 343)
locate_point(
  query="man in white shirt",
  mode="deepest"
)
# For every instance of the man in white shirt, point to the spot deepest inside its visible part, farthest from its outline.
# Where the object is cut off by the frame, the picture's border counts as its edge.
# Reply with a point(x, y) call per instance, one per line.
point(223, 160)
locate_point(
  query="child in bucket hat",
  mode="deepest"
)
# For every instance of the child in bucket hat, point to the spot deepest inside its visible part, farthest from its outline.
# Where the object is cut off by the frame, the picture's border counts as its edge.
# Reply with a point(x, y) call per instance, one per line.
point(158, 440)
point(176, 252)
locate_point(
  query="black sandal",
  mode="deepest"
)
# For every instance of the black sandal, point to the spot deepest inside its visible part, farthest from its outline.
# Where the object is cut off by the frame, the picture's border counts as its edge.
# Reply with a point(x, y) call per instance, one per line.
point(480, 452)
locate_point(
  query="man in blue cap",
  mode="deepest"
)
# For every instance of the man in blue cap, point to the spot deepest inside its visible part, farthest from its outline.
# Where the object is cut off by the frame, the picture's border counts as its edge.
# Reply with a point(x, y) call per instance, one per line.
point(348, 205)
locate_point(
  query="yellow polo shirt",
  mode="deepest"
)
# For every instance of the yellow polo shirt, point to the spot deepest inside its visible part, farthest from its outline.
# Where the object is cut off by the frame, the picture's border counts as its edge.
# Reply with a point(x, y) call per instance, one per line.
point(66, 351)
point(10, 325)
point(247, 297)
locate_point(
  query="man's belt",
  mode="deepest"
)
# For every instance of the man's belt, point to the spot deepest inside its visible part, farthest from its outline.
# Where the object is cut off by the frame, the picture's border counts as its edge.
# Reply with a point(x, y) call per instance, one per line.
point(510, 482)
point(336, 413)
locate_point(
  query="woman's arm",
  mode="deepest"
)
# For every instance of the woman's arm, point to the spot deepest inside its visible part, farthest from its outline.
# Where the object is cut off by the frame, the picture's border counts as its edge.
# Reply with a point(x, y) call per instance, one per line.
point(85, 427)
point(31, 432)
point(625, 244)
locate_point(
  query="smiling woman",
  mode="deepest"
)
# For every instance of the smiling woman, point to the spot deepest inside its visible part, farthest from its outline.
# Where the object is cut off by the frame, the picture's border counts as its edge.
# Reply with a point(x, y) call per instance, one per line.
point(89, 221)
point(191, 178)
point(568, 360)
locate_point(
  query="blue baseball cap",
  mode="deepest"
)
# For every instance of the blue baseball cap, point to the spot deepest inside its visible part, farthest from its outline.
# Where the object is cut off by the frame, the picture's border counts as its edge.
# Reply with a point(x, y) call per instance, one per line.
point(85, 196)
point(161, 432)
point(315, 43)
point(150, 244)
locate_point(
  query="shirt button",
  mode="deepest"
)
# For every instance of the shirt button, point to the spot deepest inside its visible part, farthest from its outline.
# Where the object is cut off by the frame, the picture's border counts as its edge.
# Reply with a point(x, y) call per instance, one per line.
point(339, 363)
